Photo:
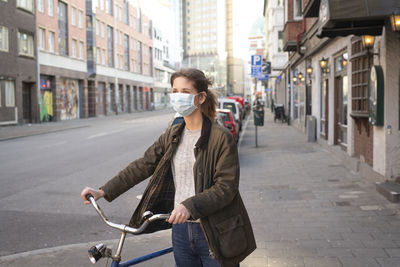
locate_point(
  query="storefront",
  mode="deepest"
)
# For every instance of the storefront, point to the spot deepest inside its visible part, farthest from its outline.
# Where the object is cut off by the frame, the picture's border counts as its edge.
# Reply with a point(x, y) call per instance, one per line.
point(46, 98)
point(69, 99)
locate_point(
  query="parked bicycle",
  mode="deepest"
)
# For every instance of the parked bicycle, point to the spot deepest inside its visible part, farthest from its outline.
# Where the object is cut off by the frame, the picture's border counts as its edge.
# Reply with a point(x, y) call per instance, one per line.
point(101, 251)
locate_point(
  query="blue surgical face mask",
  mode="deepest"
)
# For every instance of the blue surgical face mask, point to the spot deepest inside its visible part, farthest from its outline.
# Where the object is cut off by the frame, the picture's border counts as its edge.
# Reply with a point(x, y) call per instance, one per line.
point(183, 103)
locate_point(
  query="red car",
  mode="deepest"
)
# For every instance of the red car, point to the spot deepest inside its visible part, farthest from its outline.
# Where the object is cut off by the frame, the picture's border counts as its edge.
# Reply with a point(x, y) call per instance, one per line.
point(225, 115)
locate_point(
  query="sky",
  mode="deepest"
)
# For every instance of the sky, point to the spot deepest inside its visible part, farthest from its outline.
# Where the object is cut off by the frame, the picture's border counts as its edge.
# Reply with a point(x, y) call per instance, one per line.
point(245, 12)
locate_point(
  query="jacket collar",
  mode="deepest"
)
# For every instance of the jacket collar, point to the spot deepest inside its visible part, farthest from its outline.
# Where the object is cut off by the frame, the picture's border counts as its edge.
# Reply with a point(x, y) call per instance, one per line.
point(205, 133)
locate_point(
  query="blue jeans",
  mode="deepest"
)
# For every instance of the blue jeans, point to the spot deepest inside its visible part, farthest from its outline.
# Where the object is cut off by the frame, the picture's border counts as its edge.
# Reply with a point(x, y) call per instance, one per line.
point(190, 246)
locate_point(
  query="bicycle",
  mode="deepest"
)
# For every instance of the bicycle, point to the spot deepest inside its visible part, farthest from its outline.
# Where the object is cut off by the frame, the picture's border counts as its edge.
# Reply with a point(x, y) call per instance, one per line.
point(101, 251)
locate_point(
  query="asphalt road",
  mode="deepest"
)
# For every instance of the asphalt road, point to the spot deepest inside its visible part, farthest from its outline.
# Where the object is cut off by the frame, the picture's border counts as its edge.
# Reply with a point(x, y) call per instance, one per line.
point(41, 178)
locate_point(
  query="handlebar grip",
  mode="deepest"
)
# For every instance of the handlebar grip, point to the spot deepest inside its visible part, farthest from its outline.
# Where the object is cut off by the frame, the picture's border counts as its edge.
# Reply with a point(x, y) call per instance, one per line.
point(88, 196)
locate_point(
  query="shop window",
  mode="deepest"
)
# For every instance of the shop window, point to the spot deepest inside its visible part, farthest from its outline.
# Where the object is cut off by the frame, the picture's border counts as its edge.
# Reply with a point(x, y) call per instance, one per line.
point(25, 44)
point(3, 39)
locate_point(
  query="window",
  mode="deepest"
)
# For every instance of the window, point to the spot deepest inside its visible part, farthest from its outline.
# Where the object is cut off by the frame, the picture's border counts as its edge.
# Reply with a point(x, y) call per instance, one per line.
point(126, 50)
point(139, 20)
point(139, 48)
point(50, 38)
point(25, 44)
point(73, 48)
point(110, 42)
point(73, 16)
point(280, 41)
point(103, 56)
point(25, 4)
point(109, 7)
point(102, 4)
point(97, 27)
point(297, 9)
point(42, 39)
point(3, 39)
point(81, 45)
point(62, 28)
point(9, 93)
point(98, 55)
point(126, 12)
point(102, 29)
point(80, 19)
point(50, 8)
point(41, 6)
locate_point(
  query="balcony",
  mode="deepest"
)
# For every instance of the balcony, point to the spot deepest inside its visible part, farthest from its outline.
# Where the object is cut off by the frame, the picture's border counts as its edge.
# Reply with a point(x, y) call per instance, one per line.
point(290, 32)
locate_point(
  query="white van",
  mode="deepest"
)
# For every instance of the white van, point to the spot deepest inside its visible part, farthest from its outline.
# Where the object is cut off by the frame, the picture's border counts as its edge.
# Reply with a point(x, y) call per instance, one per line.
point(225, 103)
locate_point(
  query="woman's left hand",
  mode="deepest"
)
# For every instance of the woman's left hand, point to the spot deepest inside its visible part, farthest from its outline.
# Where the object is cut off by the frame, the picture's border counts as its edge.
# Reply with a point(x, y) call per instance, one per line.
point(179, 215)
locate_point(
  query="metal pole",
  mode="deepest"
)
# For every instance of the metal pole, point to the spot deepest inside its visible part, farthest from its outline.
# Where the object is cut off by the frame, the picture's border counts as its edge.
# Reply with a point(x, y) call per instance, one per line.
point(256, 137)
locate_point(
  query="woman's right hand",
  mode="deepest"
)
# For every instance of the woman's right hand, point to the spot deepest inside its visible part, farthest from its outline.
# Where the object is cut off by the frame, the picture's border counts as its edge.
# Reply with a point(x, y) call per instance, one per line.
point(97, 194)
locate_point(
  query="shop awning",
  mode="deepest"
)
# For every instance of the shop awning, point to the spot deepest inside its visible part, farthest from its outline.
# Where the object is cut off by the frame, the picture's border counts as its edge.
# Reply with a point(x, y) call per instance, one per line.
point(358, 17)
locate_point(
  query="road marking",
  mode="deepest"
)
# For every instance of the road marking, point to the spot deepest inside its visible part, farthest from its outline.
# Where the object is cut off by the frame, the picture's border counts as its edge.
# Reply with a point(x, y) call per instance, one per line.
point(243, 132)
point(98, 135)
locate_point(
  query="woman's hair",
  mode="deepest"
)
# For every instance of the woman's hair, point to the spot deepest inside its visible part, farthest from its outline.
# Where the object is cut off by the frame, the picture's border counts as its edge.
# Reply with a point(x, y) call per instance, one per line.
point(200, 83)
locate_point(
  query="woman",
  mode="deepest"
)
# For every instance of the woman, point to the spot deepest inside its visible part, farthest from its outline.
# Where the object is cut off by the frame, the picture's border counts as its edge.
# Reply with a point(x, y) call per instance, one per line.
point(210, 225)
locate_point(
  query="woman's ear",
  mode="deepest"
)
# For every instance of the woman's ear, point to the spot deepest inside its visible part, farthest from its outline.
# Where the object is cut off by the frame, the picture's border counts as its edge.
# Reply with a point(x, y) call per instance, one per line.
point(202, 97)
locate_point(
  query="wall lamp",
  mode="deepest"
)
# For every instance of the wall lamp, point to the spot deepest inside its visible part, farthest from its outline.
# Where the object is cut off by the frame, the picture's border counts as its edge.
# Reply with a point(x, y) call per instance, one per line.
point(309, 70)
point(395, 20)
point(368, 41)
point(295, 79)
point(300, 75)
point(323, 63)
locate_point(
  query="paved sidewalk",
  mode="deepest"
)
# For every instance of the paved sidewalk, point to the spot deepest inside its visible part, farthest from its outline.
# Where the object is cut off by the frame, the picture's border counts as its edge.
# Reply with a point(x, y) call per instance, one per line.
point(305, 207)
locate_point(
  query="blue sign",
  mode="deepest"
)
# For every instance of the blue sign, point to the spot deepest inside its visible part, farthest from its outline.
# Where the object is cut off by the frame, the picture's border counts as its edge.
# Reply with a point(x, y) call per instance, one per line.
point(256, 60)
point(262, 77)
point(268, 90)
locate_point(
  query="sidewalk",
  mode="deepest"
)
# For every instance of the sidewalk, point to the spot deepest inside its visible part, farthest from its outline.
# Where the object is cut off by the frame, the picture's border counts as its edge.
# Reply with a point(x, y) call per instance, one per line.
point(18, 131)
point(306, 208)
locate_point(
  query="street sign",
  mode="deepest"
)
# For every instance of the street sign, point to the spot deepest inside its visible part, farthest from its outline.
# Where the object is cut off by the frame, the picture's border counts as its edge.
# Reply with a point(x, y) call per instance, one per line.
point(256, 61)
point(262, 77)
point(266, 67)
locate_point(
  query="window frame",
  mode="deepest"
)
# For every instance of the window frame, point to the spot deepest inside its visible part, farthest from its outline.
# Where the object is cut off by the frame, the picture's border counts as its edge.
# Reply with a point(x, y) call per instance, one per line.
point(6, 40)
point(6, 93)
point(29, 43)
point(26, 8)
point(50, 11)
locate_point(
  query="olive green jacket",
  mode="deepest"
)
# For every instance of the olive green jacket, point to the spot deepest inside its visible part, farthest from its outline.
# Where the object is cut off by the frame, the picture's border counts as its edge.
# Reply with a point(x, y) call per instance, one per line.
point(217, 202)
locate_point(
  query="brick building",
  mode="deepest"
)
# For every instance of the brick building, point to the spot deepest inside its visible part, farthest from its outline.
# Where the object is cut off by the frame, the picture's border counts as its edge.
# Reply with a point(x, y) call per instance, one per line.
point(95, 58)
point(18, 62)
point(351, 89)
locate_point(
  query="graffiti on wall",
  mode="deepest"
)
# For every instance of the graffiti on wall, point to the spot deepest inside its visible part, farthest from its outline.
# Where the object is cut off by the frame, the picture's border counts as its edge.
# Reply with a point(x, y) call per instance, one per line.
point(69, 99)
point(46, 99)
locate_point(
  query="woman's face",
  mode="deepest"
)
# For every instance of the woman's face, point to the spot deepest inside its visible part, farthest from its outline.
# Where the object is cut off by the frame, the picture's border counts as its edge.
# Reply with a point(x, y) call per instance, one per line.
point(184, 85)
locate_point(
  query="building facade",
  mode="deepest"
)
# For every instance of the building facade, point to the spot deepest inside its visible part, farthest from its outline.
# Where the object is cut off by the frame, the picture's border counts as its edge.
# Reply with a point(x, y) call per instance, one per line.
point(96, 59)
point(18, 63)
point(343, 70)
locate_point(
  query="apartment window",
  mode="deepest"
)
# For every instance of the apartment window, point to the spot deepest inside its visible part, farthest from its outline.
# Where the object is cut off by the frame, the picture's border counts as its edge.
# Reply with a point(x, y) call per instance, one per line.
point(109, 7)
point(297, 9)
point(139, 20)
point(139, 46)
point(73, 48)
point(41, 6)
point(126, 50)
point(50, 8)
point(97, 27)
point(280, 41)
point(62, 28)
point(25, 4)
point(3, 39)
point(101, 4)
point(9, 89)
point(42, 39)
point(81, 50)
point(98, 55)
point(103, 56)
point(80, 19)
point(126, 12)
point(25, 44)
point(110, 41)
point(102, 29)
point(50, 38)
point(73, 16)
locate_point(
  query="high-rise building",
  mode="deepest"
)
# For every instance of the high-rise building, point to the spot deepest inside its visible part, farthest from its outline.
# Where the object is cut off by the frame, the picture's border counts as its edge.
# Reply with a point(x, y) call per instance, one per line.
point(18, 62)
point(204, 38)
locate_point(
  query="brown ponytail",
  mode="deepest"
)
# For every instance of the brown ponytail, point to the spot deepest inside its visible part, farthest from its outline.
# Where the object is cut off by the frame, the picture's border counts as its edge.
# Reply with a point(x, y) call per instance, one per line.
point(201, 84)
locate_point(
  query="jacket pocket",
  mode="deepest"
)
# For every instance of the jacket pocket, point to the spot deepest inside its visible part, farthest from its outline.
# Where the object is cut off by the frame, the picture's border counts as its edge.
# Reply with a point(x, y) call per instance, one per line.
point(231, 236)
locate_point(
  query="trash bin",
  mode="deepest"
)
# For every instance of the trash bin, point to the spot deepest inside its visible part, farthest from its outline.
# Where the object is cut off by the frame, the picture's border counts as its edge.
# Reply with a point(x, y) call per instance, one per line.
point(311, 128)
point(258, 117)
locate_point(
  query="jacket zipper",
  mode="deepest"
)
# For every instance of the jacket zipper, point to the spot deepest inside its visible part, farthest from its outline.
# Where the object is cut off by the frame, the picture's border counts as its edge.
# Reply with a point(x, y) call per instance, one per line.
point(212, 255)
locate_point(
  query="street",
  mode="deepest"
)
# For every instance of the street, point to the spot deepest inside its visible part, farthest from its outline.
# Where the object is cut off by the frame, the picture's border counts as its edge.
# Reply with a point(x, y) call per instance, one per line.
point(306, 208)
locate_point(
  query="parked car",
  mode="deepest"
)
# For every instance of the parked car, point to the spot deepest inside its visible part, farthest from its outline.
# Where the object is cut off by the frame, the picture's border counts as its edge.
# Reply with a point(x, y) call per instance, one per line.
point(226, 116)
point(234, 106)
point(240, 100)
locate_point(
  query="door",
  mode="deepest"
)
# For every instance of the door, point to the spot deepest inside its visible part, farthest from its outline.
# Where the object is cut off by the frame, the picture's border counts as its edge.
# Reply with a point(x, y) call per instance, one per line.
point(100, 99)
point(27, 102)
point(92, 98)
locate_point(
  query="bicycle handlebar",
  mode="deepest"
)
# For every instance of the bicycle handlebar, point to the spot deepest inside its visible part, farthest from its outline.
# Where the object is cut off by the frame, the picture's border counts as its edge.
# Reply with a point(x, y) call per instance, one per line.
point(148, 215)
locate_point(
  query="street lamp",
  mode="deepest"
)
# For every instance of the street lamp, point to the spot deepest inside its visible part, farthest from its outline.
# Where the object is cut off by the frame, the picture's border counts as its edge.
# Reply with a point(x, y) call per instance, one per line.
point(295, 79)
point(323, 63)
point(368, 41)
point(395, 20)
point(309, 70)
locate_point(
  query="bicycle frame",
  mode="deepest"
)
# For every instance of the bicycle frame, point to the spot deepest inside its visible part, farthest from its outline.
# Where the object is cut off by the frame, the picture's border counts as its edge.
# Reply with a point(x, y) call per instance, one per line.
point(95, 254)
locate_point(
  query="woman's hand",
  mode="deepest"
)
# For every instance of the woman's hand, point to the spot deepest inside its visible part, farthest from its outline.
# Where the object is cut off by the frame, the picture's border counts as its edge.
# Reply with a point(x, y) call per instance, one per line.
point(97, 194)
point(179, 215)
